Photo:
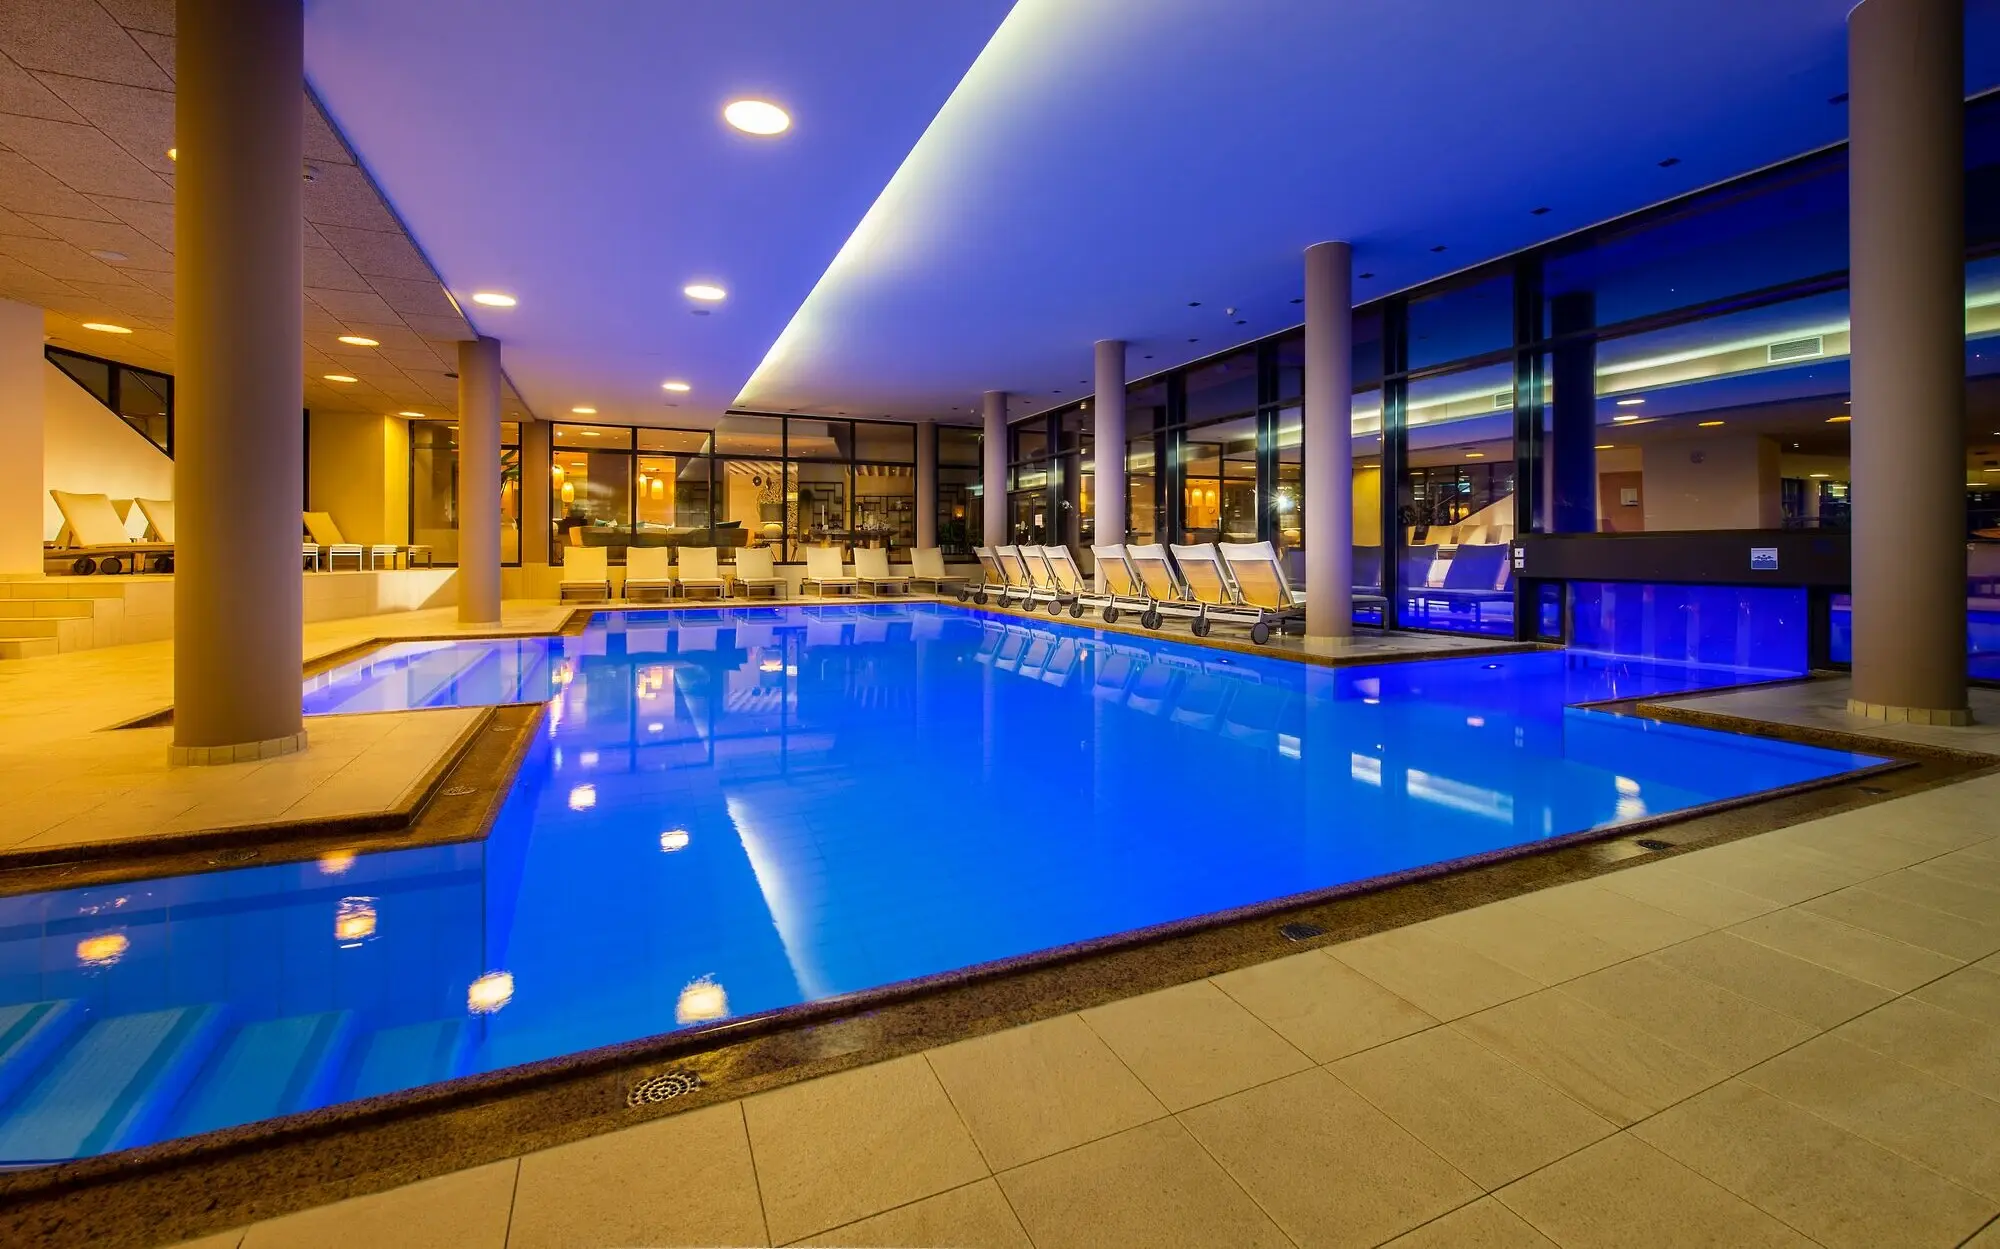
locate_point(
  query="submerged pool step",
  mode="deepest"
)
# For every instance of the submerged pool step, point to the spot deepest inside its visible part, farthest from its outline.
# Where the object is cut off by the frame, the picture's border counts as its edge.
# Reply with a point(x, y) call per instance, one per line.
point(30, 1033)
point(116, 1084)
point(269, 1068)
point(419, 1053)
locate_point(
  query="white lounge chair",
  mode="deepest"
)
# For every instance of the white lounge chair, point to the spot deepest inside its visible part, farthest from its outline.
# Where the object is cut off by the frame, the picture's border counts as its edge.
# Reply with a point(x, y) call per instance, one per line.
point(1065, 581)
point(95, 536)
point(335, 547)
point(825, 573)
point(1264, 596)
point(585, 569)
point(647, 568)
point(699, 574)
point(1123, 590)
point(159, 514)
point(1167, 593)
point(927, 570)
point(754, 572)
point(871, 569)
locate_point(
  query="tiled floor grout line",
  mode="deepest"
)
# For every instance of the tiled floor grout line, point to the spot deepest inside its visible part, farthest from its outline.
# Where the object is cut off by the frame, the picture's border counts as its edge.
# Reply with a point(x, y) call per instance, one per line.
point(1977, 1230)
point(756, 1176)
point(991, 1172)
point(513, 1202)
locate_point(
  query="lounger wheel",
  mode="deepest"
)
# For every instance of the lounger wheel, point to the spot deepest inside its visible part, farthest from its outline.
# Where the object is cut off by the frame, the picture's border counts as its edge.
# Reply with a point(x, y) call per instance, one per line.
point(1055, 609)
point(1260, 633)
point(1149, 619)
point(979, 597)
point(1076, 611)
point(83, 566)
point(1201, 626)
point(1110, 615)
point(111, 564)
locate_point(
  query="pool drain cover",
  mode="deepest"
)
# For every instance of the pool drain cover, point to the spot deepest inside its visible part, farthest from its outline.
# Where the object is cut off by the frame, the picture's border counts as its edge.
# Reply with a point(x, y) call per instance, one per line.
point(231, 857)
point(459, 791)
point(1301, 932)
point(1654, 844)
point(662, 1088)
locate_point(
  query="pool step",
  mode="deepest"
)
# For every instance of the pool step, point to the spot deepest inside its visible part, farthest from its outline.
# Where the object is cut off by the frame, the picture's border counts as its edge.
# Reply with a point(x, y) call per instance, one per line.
point(269, 1068)
point(419, 1053)
point(29, 1033)
point(116, 1084)
point(26, 648)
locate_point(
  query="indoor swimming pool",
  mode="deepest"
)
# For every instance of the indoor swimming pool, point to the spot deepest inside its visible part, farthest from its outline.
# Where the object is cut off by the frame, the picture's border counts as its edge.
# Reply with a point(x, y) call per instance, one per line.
point(728, 812)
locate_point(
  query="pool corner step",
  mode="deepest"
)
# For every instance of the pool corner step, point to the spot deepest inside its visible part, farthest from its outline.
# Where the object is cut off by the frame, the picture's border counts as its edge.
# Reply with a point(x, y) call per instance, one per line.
point(30, 1033)
point(116, 1084)
point(269, 1068)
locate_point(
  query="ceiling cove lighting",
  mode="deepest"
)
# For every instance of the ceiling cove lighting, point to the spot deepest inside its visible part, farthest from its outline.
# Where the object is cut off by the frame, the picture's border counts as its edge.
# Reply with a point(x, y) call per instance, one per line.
point(342, 378)
point(679, 388)
point(1630, 403)
point(494, 299)
point(356, 340)
point(706, 292)
point(105, 327)
point(757, 117)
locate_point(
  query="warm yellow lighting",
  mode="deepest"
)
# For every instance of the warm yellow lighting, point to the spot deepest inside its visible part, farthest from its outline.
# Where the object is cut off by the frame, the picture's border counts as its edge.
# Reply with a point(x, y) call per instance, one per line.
point(679, 388)
point(490, 992)
point(674, 839)
point(584, 411)
point(659, 490)
point(1708, 424)
point(494, 299)
point(336, 863)
point(1838, 420)
point(771, 665)
point(702, 1000)
point(102, 950)
point(757, 117)
point(1630, 403)
point(342, 378)
point(706, 292)
point(1605, 446)
point(105, 327)
point(1819, 474)
point(1624, 420)
point(356, 340)
point(354, 921)
point(173, 153)
point(415, 416)
point(583, 798)
point(557, 472)
point(1475, 455)
point(568, 492)
point(655, 727)
point(591, 433)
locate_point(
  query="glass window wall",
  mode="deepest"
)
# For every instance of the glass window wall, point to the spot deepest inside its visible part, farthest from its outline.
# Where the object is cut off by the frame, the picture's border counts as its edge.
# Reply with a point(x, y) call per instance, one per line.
point(434, 489)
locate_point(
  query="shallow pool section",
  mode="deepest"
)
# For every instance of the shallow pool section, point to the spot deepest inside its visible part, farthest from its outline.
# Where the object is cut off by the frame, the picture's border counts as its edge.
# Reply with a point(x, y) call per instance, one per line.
point(733, 811)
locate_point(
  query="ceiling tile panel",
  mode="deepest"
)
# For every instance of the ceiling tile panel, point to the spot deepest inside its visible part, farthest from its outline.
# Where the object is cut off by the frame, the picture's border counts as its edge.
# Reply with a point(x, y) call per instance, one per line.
point(137, 119)
point(339, 195)
point(24, 281)
point(156, 280)
point(139, 251)
point(58, 259)
point(155, 221)
point(420, 359)
point(25, 188)
point(74, 37)
point(445, 330)
point(13, 223)
point(153, 15)
point(378, 254)
point(329, 270)
point(322, 145)
point(84, 158)
point(424, 298)
point(352, 306)
point(321, 322)
point(20, 93)
point(131, 298)
point(159, 47)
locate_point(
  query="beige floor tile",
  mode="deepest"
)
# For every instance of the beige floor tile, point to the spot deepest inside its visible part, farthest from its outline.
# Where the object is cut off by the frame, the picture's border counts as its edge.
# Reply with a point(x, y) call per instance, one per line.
point(1973, 992)
point(1851, 951)
point(1859, 838)
point(1321, 1005)
point(1437, 976)
point(974, 1217)
point(1480, 1112)
point(1145, 1187)
point(462, 1210)
point(1988, 1237)
point(1781, 873)
point(1978, 865)
point(1628, 924)
point(1622, 1192)
point(1598, 1059)
point(1940, 892)
point(1823, 1180)
point(1515, 935)
point(1192, 1043)
point(1706, 1020)
point(1955, 935)
point(1485, 1224)
point(1705, 902)
point(684, 1180)
point(1028, 1092)
point(1944, 1126)
point(1330, 1168)
point(840, 1148)
point(1791, 986)
point(1931, 1038)
point(221, 1240)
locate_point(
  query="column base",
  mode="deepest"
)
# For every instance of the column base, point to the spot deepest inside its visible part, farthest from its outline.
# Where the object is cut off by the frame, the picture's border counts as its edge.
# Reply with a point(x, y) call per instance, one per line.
point(241, 752)
point(1909, 715)
point(1329, 645)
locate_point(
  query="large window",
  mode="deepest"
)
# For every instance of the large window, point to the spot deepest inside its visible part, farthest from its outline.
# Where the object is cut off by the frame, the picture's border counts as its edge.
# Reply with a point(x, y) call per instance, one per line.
point(434, 489)
point(142, 398)
point(960, 513)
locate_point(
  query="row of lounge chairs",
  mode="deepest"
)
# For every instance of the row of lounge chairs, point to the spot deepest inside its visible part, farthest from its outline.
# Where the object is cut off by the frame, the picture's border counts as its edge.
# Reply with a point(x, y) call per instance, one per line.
point(650, 570)
point(95, 539)
point(1229, 583)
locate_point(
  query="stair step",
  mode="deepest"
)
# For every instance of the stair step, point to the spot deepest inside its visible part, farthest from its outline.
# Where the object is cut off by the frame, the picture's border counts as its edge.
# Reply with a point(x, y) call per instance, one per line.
point(114, 1086)
point(269, 1068)
point(402, 1058)
point(46, 608)
point(26, 648)
point(29, 1033)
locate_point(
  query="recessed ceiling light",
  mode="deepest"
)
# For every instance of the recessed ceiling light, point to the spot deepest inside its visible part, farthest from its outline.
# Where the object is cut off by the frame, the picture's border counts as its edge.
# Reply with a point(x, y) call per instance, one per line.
point(704, 291)
point(591, 433)
point(1630, 403)
point(105, 327)
point(356, 340)
point(173, 153)
point(493, 299)
point(757, 117)
point(679, 388)
point(1624, 419)
point(1838, 420)
point(584, 411)
point(1605, 446)
point(107, 254)
point(1708, 424)
point(1475, 455)
point(337, 377)
point(1819, 474)
point(413, 415)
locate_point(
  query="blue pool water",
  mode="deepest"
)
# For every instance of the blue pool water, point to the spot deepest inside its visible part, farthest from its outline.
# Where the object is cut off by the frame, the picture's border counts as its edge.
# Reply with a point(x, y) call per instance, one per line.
point(732, 811)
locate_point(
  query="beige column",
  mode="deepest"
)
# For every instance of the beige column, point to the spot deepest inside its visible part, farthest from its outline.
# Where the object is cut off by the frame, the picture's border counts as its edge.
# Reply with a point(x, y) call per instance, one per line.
point(1328, 452)
point(537, 458)
point(1108, 441)
point(239, 364)
point(1906, 188)
point(993, 476)
point(479, 481)
point(927, 484)
point(23, 375)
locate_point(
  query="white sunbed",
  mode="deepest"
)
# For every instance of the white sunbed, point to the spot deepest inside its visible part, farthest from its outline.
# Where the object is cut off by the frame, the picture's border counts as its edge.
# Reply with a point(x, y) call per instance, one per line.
point(585, 569)
point(647, 568)
point(871, 569)
point(927, 569)
point(1123, 590)
point(754, 572)
point(825, 573)
point(1263, 594)
point(1166, 592)
point(1066, 580)
point(699, 573)
point(96, 538)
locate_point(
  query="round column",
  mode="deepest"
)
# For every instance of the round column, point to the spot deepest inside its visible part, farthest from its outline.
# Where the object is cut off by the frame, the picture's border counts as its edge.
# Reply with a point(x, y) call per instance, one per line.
point(1328, 452)
point(239, 364)
point(993, 477)
point(926, 484)
point(1109, 437)
point(479, 482)
point(1906, 187)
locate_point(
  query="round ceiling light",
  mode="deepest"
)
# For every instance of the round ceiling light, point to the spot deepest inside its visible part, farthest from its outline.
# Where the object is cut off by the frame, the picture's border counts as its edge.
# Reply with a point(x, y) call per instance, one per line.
point(342, 378)
point(105, 253)
point(705, 292)
point(584, 411)
point(493, 299)
point(356, 340)
point(757, 117)
point(415, 416)
point(105, 327)
point(679, 388)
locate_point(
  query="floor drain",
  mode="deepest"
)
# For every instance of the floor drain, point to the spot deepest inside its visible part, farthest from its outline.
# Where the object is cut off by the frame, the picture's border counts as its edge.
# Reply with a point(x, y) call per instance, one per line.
point(1301, 932)
point(500, 728)
point(662, 1088)
point(1871, 789)
point(1654, 844)
point(459, 791)
point(230, 857)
